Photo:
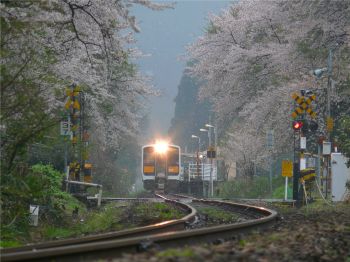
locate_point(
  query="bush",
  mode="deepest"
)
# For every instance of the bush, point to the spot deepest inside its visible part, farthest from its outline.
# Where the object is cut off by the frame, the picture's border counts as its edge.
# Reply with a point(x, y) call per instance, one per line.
point(102, 220)
point(38, 185)
point(279, 192)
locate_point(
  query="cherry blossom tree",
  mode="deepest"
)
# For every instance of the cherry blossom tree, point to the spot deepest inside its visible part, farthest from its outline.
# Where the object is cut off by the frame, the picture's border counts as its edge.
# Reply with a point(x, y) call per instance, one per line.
point(51, 44)
point(255, 54)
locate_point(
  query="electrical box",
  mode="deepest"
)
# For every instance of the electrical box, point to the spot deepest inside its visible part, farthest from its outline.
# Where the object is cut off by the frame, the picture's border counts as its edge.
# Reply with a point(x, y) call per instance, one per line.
point(303, 142)
point(326, 148)
point(340, 175)
point(302, 163)
point(34, 215)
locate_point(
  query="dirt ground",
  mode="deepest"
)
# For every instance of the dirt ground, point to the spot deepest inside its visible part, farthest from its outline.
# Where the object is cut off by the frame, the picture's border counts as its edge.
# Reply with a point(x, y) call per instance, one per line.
point(316, 233)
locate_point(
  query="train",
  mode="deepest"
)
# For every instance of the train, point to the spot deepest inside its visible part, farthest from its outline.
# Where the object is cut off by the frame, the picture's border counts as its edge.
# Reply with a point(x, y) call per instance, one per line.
point(165, 168)
point(161, 167)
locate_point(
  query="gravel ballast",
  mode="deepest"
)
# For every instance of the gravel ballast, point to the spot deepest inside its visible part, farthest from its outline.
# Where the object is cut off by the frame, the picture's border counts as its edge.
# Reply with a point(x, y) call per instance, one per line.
point(319, 233)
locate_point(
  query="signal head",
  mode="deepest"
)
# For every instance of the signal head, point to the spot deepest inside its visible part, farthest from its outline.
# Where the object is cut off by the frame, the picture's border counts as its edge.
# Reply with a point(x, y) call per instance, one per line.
point(297, 125)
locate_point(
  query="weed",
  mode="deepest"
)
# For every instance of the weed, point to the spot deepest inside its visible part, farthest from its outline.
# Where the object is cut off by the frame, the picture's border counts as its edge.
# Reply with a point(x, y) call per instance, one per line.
point(172, 252)
point(255, 187)
point(10, 243)
point(217, 215)
point(51, 232)
point(156, 212)
point(242, 242)
point(104, 220)
point(108, 218)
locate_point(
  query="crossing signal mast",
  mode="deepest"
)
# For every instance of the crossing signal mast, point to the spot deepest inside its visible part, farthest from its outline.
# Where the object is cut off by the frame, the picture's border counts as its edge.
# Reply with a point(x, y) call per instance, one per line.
point(301, 127)
point(77, 131)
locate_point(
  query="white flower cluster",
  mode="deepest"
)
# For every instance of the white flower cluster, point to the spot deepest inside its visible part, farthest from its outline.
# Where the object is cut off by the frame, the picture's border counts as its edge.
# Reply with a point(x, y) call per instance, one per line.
point(255, 54)
point(86, 42)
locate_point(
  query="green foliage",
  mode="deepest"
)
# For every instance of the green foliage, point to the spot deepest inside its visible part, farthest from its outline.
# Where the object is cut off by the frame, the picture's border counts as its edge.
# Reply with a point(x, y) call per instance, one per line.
point(45, 185)
point(9, 243)
point(242, 188)
point(25, 76)
point(106, 219)
point(112, 218)
point(242, 242)
point(52, 232)
point(50, 151)
point(279, 192)
point(38, 185)
point(157, 211)
point(256, 187)
point(343, 136)
point(179, 253)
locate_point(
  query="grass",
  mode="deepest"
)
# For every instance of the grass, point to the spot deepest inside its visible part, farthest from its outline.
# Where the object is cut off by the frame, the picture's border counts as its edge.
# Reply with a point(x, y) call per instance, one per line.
point(319, 205)
point(108, 219)
point(157, 212)
point(178, 253)
point(51, 232)
point(112, 217)
point(10, 243)
point(218, 215)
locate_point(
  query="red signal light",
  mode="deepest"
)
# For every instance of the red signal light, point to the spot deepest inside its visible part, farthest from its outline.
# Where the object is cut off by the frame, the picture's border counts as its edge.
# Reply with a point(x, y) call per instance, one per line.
point(297, 125)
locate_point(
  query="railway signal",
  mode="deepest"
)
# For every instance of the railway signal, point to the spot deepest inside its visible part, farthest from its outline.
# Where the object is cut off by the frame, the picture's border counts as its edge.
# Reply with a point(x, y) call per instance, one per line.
point(211, 153)
point(304, 105)
point(75, 127)
point(301, 127)
point(297, 125)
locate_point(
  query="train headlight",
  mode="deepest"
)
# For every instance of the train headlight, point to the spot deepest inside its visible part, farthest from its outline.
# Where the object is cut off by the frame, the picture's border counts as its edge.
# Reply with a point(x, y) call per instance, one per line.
point(161, 147)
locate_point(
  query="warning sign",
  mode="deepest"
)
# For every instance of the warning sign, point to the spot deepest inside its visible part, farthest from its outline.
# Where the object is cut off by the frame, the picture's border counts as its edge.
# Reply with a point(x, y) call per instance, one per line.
point(287, 168)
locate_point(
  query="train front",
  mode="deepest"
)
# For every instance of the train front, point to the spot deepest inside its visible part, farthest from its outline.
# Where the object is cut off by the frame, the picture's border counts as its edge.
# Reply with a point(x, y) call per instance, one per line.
point(161, 167)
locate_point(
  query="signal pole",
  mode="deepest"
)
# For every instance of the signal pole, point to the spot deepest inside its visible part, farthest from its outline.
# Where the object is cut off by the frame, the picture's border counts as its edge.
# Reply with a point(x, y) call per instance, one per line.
point(295, 171)
point(329, 118)
point(302, 105)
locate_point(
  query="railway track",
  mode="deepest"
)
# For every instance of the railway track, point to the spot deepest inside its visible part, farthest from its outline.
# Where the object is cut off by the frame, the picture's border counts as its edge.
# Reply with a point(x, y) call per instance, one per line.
point(166, 234)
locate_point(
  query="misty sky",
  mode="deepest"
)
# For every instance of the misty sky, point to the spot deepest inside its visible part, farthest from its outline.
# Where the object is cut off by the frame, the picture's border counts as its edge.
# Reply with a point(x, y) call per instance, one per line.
point(164, 35)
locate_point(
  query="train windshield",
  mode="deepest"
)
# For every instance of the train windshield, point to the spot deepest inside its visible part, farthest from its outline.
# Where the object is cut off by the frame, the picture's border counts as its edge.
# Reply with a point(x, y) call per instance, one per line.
point(148, 160)
point(148, 155)
point(173, 160)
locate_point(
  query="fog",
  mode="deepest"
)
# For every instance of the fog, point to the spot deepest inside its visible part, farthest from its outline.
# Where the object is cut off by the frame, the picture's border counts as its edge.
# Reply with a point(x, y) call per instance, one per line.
point(164, 35)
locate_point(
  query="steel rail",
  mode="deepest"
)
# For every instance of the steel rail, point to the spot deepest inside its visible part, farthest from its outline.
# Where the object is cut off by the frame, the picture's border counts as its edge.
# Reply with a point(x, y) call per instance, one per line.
point(165, 226)
point(111, 248)
point(126, 199)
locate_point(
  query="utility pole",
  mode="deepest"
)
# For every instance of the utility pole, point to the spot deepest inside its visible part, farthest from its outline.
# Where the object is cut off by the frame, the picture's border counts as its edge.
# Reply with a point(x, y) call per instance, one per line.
point(270, 145)
point(198, 149)
point(329, 119)
point(211, 153)
point(329, 83)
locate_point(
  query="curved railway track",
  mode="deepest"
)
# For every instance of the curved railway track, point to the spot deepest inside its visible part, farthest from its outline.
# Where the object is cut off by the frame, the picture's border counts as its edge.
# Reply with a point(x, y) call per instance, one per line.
point(165, 234)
